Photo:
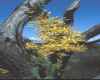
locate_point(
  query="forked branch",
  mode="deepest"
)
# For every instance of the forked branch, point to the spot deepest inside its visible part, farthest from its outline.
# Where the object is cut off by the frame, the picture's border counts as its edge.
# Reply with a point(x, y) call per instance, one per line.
point(68, 17)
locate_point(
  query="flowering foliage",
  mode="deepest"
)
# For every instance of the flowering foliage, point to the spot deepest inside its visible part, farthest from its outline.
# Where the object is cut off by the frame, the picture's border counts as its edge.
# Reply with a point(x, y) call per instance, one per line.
point(30, 45)
point(57, 37)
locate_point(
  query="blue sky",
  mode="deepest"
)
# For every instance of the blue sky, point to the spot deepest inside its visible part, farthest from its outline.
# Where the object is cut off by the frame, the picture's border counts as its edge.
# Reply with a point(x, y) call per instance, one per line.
point(86, 16)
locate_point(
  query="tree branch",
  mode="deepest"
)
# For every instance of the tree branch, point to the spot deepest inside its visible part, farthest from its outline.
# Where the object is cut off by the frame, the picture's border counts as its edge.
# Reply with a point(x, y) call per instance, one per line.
point(92, 42)
point(92, 32)
point(10, 38)
point(19, 17)
point(68, 17)
point(13, 26)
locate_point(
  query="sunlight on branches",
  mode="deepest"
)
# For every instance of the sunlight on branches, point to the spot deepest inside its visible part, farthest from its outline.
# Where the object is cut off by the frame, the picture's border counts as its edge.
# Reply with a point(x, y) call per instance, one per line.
point(57, 37)
point(30, 45)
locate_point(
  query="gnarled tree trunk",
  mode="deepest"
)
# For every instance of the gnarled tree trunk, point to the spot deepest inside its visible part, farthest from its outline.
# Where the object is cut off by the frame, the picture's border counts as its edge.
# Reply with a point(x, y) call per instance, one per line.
point(12, 53)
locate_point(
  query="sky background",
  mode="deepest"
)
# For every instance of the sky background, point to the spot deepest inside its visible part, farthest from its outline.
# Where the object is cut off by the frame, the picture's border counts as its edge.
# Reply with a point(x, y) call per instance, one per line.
point(87, 16)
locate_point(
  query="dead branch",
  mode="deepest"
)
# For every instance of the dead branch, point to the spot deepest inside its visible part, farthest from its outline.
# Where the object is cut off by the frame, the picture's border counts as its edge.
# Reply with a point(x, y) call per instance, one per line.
point(68, 17)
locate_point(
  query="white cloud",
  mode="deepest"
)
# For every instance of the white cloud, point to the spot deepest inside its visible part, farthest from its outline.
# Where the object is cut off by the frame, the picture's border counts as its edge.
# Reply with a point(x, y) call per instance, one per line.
point(35, 38)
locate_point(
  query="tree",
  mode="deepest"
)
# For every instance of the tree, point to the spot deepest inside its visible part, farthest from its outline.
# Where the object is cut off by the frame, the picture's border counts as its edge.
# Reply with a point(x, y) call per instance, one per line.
point(13, 55)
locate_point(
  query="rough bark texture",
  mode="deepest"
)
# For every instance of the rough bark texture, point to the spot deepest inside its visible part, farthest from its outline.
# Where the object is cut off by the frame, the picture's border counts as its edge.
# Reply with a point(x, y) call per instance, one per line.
point(84, 65)
point(68, 19)
point(92, 32)
point(12, 55)
point(76, 69)
point(69, 12)
point(12, 52)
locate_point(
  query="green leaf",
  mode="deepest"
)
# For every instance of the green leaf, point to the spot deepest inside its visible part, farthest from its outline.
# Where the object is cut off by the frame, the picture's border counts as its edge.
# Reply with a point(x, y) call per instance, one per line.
point(58, 64)
point(35, 72)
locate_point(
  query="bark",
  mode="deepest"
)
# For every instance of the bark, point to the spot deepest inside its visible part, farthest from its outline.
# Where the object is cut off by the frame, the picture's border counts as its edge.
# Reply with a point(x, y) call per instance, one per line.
point(68, 17)
point(12, 52)
point(93, 42)
point(94, 31)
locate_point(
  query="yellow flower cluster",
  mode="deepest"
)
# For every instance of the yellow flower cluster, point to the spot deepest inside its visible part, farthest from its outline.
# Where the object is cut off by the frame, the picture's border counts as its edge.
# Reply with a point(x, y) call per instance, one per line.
point(57, 36)
point(29, 45)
